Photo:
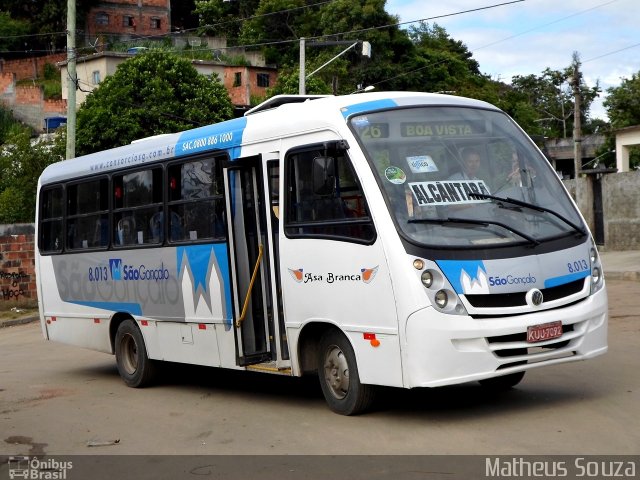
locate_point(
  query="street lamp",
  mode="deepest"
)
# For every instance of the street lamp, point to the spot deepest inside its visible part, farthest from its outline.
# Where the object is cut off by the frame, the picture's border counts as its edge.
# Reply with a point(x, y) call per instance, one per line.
point(366, 52)
point(595, 160)
point(368, 88)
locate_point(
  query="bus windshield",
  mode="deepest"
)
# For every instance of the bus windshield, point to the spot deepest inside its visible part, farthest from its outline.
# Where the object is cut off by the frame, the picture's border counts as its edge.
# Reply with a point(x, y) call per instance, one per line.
point(457, 176)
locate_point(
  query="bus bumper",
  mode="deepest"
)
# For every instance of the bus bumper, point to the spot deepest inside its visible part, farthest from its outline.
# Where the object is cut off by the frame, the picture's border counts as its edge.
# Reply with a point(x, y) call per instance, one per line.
point(442, 349)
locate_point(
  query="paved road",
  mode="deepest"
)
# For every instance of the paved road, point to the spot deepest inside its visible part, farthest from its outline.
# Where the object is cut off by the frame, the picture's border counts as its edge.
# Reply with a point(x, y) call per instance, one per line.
point(57, 400)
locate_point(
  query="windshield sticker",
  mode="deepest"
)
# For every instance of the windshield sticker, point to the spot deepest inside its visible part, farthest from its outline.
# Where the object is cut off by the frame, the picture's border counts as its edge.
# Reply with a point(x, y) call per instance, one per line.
point(422, 164)
point(448, 193)
point(361, 121)
point(395, 175)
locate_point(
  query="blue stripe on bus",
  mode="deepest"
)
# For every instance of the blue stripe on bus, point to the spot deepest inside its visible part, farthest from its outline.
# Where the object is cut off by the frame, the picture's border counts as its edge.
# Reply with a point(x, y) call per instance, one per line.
point(132, 308)
point(221, 136)
point(367, 107)
point(198, 258)
point(454, 269)
point(222, 259)
point(556, 281)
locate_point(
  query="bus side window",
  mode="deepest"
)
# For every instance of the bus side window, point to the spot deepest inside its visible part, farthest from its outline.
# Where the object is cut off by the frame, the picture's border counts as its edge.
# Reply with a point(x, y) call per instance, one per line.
point(87, 214)
point(196, 200)
point(324, 197)
point(51, 220)
point(137, 202)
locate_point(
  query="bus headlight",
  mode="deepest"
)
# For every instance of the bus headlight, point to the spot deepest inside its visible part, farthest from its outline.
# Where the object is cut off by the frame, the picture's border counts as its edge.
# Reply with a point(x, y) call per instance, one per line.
point(427, 278)
point(441, 298)
point(441, 295)
point(597, 279)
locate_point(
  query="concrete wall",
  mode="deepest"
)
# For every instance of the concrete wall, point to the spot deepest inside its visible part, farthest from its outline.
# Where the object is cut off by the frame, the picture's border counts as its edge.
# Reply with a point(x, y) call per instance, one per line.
point(620, 205)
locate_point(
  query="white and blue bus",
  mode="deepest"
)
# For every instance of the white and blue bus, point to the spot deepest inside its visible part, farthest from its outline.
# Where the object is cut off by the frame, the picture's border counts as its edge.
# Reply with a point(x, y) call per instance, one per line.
point(396, 239)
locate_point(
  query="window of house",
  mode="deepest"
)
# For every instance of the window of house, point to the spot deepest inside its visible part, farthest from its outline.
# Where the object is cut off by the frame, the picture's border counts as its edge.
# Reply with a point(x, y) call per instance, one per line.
point(237, 79)
point(196, 201)
point(95, 77)
point(88, 214)
point(324, 197)
point(137, 212)
point(263, 80)
point(102, 18)
point(51, 210)
point(155, 23)
point(128, 21)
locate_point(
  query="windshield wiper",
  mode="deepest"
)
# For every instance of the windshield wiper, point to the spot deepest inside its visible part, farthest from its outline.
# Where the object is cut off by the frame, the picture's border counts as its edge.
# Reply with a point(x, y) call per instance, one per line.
point(473, 221)
point(520, 203)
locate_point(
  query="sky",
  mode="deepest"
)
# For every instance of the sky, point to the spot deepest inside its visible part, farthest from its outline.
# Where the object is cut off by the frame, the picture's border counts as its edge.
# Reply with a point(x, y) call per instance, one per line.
point(526, 37)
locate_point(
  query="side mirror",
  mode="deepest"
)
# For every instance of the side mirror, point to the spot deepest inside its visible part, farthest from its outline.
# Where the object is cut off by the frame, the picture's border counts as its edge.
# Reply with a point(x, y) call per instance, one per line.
point(324, 178)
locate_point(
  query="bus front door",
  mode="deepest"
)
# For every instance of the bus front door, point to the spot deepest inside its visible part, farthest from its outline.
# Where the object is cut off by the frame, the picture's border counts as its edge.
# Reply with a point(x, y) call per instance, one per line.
point(251, 272)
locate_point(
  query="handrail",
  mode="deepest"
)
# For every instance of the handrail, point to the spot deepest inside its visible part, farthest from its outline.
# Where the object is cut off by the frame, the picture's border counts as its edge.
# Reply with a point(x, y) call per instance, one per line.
point(253, 279)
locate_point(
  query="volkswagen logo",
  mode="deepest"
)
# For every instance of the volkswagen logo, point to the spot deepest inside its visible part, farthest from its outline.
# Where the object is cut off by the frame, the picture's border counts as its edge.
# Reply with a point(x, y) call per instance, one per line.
point(534, 297)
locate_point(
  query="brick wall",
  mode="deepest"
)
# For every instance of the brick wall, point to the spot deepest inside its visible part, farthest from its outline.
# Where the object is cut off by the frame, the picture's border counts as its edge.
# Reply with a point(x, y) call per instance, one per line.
point(17, 269)
point(112, 14)
point(30, 67)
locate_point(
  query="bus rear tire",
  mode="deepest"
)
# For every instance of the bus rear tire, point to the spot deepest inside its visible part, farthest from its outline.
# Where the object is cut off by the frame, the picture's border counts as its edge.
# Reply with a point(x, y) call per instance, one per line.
point(504, 382)
point(338, 375)
point(134, 366)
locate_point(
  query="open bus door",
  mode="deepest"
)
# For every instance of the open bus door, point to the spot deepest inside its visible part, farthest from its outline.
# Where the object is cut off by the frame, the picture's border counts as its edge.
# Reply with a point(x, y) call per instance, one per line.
point(255, 283)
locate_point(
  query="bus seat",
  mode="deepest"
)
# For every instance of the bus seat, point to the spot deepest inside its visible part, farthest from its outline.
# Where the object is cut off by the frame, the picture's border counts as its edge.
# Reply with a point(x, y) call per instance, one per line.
point(156, 227)
point(175, 227)
point(101, 234)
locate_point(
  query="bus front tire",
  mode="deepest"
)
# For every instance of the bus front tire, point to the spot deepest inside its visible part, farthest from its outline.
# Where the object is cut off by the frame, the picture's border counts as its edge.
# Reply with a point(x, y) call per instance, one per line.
point(134, 366)
point(504, 382)
point(338, 375)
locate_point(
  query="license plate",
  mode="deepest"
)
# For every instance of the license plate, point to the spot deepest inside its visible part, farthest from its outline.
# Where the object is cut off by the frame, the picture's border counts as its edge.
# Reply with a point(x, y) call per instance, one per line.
point(543, 332)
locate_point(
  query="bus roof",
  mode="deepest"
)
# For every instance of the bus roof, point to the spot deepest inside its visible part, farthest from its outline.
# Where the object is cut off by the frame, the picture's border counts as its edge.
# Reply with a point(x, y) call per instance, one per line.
point(230, 135)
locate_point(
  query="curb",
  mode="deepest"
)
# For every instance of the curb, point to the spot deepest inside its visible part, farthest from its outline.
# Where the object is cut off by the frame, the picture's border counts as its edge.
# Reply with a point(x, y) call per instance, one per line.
point(18, 321)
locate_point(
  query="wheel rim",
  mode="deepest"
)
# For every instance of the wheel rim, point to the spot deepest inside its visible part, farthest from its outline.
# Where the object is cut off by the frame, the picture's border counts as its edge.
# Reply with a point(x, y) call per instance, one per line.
point(336, 372)
point(129, 351)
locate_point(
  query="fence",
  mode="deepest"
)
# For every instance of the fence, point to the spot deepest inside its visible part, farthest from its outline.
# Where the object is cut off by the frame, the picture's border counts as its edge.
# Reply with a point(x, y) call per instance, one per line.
point(610, 203)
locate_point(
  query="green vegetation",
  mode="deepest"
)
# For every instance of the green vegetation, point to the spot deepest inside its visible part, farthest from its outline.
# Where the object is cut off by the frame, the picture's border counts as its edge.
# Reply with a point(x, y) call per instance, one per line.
point(22, 160)
point(150, 94)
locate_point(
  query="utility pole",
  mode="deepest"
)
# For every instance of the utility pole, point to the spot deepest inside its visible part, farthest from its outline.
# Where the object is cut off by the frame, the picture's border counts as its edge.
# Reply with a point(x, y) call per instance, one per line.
point(72, 79)
point(302, 87)
point(577, 128)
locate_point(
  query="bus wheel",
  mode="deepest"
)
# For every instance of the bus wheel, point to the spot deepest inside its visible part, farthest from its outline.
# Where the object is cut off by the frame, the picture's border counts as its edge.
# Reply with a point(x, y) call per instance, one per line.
point(505, 382)
point(134, 365)
point(338, 374)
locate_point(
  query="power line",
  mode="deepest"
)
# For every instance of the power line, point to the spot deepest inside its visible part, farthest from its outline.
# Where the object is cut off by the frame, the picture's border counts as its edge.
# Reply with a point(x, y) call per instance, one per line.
point(611, 53)
point(544, 25)
point(509, 38)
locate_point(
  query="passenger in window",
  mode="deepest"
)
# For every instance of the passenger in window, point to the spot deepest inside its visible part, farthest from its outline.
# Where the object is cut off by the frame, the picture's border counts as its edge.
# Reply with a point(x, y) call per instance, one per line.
point(126, 231)
point(471, 161)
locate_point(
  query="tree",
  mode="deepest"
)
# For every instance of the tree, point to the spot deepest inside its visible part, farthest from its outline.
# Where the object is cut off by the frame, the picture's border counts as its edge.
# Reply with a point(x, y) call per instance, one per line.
point(11, 32)
point(224, 18)
point(150, 94)
point(551, 95)
point(288, 83)
point(623, 103)
point(21, 162)
point(623, 109)
point(46, 21)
